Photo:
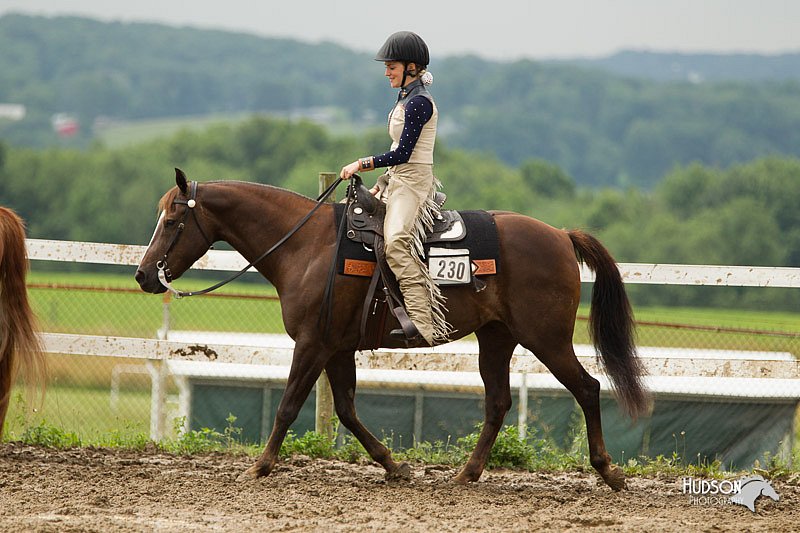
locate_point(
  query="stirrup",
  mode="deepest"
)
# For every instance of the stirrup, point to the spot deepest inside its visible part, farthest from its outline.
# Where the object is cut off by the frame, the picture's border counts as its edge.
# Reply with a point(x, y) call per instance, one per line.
point(399, 334)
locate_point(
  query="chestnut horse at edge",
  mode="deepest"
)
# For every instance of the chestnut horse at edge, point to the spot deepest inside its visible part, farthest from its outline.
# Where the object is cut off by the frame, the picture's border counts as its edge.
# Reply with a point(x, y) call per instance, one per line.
point(20, 344)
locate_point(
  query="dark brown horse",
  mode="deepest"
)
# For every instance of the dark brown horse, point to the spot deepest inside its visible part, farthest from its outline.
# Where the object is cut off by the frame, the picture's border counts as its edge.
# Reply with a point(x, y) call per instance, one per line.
point(532, 302)
point(20, 345)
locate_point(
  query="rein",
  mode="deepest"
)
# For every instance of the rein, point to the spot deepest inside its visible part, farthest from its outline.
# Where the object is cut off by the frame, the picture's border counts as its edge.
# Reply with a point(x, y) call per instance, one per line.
point(163, 270)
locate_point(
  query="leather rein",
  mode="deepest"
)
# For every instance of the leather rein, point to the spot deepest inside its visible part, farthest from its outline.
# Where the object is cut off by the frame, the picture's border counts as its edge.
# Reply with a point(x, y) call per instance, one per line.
point(164, 274)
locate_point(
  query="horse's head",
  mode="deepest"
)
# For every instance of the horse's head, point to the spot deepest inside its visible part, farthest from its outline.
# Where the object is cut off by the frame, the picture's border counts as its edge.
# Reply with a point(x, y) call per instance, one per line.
point(178, 240)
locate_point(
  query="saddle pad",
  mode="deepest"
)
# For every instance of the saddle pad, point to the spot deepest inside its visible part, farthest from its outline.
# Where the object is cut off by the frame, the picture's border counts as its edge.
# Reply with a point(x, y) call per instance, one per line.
point(481, 240)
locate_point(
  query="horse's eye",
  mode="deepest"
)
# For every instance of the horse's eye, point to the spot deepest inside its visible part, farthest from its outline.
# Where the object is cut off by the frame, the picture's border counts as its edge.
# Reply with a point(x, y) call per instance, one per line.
point(169, 223)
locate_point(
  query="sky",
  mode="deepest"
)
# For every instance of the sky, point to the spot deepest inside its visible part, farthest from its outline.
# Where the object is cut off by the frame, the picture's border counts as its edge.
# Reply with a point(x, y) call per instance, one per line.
point(494, 29)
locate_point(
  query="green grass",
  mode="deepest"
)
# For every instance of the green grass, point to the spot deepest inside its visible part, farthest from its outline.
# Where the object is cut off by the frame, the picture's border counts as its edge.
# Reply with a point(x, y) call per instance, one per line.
point(713, 317)
point(137, 314)
point(140, 314)
point(509, 451)
point(129, 132)
point(85, 412)
point(728, 318)
point(124, 133)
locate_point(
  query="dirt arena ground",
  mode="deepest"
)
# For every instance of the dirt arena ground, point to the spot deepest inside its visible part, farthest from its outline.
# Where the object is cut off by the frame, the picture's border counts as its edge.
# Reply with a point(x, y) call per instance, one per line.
point(106, 490)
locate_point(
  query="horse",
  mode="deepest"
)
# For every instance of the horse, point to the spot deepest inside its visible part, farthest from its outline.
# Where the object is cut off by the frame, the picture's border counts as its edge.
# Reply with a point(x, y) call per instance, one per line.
point(20, 344)
point(532, 301)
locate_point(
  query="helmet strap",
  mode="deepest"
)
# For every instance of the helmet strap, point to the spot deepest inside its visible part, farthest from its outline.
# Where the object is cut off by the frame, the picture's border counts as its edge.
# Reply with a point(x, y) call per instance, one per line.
point(406, 74)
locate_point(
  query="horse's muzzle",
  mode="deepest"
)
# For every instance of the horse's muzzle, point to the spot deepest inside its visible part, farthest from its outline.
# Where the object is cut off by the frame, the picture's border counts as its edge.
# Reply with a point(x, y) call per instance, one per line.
point(148, 283)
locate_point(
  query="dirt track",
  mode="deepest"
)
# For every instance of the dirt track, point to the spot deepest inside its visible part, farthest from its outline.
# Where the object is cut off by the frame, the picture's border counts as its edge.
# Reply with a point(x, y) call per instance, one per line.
point(103, 490)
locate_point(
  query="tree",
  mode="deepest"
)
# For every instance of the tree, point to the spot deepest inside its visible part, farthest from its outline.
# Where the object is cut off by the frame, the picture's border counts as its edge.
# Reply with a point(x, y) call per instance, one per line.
point(546, 179)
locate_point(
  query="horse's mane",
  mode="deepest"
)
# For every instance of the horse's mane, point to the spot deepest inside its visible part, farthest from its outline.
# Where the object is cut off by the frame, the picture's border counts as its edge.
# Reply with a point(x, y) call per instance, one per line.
point(266, 186)
point(170, 195)
point(167, 199)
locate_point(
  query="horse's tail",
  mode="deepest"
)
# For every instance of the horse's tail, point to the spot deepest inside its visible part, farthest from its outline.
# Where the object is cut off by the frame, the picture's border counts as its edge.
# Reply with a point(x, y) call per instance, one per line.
point(611, 325)
point(20, 344)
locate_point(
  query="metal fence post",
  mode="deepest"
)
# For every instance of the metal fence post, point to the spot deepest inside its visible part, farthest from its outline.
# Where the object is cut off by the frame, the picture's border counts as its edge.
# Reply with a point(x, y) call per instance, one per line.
point(324, 404)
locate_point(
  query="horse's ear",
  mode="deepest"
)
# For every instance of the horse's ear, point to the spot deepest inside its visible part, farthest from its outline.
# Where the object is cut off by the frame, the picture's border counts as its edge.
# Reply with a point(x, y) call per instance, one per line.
point(180, 180)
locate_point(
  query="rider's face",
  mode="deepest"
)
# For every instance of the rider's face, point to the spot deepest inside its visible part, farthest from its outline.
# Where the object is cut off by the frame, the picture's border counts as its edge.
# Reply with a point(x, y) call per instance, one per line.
point(394, 71)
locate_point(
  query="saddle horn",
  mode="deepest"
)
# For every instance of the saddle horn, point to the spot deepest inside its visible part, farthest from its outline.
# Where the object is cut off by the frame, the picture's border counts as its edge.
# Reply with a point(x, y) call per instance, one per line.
point(365, 198)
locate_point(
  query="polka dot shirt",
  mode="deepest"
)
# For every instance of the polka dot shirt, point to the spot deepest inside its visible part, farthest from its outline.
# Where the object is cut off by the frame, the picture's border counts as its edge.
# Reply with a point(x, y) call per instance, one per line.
point(419, 111)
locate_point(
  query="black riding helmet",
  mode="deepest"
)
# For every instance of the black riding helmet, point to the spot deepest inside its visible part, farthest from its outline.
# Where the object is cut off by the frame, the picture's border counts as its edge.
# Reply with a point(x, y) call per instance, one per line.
point(405, 46)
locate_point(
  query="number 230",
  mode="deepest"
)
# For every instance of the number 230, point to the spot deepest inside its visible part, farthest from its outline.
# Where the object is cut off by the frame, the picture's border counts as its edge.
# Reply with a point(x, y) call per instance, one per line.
point(451, 269)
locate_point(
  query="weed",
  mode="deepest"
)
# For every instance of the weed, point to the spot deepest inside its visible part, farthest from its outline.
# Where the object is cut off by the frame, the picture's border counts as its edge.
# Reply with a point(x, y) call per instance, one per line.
point(44, 434)
point(312, 444)
point(233, 434)
point(438, 452)
point(509, 451)
point(124, 439)
point(673, 465)
point(351, 450)
point(205, 439)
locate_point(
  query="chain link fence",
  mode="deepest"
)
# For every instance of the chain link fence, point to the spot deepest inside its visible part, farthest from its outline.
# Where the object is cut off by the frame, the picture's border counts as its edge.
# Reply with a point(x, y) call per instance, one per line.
point(735, 419)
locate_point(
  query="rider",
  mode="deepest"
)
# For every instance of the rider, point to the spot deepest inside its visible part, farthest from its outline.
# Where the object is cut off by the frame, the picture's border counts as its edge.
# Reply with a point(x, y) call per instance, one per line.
point(408, 185)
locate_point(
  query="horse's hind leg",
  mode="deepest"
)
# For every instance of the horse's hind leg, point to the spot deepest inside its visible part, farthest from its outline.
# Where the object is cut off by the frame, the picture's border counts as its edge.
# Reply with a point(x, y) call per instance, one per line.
point(496, 348)
point(559, 357)
point(341, 370)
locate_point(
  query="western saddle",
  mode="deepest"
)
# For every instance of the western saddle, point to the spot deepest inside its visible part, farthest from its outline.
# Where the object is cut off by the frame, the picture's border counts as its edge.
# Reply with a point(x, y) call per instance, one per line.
point(364, 224)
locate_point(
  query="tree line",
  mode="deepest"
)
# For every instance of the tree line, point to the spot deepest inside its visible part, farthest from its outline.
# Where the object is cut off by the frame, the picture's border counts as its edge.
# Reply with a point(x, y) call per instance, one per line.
point(697, 214)
point(602, 129)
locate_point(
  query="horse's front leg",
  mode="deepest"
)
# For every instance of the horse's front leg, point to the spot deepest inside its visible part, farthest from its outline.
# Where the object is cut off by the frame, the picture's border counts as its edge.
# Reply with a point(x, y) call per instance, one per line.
point(307, 365)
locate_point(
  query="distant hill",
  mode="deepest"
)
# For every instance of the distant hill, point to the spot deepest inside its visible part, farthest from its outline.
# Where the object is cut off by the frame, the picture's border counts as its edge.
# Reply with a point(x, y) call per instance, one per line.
point(601, 128)
point(697, 68)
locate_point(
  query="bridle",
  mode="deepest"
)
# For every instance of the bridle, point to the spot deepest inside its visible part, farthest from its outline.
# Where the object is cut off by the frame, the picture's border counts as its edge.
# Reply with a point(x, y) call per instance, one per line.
point(164, 274)
point(190, 203)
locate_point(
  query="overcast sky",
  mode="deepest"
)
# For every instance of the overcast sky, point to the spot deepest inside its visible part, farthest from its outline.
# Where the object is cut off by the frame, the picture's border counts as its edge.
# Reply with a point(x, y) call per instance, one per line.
point(505, 29)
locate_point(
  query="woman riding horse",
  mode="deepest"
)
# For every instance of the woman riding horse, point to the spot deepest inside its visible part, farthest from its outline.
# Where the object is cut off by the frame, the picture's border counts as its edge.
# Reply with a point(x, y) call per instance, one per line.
point(408, 186)
point(532, 301)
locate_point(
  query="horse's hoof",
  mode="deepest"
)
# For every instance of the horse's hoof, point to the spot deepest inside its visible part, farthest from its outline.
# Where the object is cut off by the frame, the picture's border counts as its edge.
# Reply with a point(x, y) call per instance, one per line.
point(401, 473)
point(465, 477)
point(615, 478)
point(251, 474)
point(460, 480)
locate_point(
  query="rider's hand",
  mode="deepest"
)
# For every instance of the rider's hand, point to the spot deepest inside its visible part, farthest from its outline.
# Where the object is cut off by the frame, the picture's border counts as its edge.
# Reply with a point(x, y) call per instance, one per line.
point(375, 190)
point(349, 170)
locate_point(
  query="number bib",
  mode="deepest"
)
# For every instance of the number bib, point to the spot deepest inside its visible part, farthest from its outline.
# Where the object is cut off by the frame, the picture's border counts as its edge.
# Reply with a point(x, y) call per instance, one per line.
point(449, 266)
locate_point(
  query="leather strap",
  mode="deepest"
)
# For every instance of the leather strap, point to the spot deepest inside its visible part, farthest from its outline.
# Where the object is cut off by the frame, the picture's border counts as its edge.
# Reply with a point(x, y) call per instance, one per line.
point(394, 297)
point(371, 291)
point(326, 310)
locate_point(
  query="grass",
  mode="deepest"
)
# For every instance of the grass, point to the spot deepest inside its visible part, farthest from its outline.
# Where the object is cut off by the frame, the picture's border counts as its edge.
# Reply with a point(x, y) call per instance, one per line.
point(510, 451)
point(86, 412)
point(720, 329)
point(129, 132)
point(128, 312)
point(776, 321)
point(139, 314)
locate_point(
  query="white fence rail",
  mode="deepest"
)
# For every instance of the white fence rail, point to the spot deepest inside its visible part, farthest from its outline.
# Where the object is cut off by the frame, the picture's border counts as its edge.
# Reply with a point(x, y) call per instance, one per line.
point(783, 370)
point(659, 274)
